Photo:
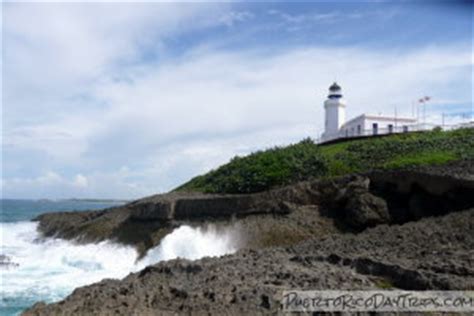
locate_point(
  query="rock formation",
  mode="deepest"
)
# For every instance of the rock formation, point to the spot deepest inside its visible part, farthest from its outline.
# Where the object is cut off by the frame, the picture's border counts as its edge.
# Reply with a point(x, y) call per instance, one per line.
point(410, 229)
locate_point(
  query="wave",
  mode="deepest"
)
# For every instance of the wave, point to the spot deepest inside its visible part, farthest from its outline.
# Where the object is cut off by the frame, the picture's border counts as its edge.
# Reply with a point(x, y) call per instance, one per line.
point(193, 243)
point(49, 269)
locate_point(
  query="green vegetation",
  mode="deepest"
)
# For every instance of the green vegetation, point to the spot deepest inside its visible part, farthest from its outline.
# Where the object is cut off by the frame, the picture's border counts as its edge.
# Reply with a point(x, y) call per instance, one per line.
point(384, 284)
point(263, 169)
point(304, 161)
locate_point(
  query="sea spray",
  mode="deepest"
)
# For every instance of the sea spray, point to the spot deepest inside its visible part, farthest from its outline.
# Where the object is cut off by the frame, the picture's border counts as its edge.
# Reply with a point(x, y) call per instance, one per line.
point(50, 269)
point(193, 243)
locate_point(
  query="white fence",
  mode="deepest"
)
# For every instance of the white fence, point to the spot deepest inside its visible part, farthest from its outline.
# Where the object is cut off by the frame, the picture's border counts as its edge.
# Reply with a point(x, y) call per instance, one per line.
point(393, 130)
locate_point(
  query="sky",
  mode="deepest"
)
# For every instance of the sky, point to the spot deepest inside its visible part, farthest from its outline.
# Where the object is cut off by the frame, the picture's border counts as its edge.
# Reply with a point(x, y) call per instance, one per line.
point(121, 100)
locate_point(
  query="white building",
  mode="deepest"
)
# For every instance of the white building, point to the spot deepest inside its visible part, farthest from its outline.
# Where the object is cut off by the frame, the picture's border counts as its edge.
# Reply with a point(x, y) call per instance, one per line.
point(363, 125)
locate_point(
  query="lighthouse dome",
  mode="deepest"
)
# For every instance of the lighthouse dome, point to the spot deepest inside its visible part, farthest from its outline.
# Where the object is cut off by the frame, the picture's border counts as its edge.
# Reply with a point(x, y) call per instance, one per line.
point(335, 91)
point(334, 87)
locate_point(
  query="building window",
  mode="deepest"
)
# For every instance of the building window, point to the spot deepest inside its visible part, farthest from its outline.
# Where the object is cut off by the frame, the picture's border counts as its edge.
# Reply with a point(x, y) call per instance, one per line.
point(390, 128)
point(359, 130)
point(347, 132)
point(405, 129)
point(352, 131)
point(375, 128)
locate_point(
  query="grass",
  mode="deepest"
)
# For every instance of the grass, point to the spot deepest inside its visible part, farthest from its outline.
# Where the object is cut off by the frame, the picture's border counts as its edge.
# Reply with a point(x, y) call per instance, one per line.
point(305, 160)
point(421, 159)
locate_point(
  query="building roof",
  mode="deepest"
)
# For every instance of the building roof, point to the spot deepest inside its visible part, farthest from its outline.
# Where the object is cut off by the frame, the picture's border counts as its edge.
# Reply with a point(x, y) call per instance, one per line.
point(390, 118)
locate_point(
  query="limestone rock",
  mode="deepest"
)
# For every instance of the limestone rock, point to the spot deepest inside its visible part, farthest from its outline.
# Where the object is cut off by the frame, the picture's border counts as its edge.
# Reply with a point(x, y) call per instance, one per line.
point(366, 210)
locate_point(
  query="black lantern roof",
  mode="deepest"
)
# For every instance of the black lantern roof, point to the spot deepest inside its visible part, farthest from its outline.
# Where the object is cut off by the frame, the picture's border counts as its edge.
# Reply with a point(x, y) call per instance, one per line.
point(334, 87)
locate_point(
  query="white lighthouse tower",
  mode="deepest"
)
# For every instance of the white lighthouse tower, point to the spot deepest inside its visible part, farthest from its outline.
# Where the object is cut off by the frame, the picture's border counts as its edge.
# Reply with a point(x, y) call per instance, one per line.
point(335, 110)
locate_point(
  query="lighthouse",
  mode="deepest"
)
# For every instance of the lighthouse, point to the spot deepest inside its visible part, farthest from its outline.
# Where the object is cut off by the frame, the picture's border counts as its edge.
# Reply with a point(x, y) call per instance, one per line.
point(335, 112)
point(364, 125)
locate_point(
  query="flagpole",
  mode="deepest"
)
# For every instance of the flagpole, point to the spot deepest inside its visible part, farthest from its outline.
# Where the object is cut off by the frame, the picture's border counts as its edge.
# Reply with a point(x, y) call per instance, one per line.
point(424, 114)
point(417, 114)
point(425, 100)
point(396, 122)
point(422, 123)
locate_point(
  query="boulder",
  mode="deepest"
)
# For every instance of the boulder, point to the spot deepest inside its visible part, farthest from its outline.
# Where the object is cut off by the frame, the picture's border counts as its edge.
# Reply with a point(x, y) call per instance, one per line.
point(366, 210)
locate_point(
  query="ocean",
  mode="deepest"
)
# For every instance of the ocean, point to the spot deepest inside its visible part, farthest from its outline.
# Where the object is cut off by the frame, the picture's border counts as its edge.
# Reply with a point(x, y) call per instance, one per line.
point(37, 269)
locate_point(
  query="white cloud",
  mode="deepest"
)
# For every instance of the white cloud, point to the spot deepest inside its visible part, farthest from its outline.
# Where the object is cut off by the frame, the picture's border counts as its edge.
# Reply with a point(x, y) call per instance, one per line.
point(80, 181)
point(66, 48)
point(81, 99)
point(231, 18)
point(309, 17)
point(48, 178)
point(173, 122)
point(114, 184)
point(38, 187)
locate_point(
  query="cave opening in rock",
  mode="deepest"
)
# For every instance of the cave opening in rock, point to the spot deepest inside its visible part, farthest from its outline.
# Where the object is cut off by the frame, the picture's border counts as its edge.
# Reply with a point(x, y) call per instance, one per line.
point(416, 200)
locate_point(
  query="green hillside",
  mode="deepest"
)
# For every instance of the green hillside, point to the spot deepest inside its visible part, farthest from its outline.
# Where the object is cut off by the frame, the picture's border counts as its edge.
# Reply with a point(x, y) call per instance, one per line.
point(305, 160)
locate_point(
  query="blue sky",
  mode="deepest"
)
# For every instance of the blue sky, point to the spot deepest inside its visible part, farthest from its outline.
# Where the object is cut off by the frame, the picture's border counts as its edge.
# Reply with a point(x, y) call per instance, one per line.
point(120, 100)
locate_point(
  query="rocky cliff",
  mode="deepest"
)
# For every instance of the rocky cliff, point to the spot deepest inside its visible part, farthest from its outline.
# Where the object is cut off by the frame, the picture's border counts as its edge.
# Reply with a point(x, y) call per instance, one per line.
point(433, 253)
point(341, 204)
point(409, 229)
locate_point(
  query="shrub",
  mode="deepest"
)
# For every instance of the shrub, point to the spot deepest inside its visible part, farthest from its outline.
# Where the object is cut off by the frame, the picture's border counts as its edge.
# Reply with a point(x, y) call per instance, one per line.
point(279, 166)
point(263, 169)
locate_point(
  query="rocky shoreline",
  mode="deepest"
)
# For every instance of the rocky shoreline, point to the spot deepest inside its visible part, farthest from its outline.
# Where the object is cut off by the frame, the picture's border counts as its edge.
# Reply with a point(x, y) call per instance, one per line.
point(410, 229)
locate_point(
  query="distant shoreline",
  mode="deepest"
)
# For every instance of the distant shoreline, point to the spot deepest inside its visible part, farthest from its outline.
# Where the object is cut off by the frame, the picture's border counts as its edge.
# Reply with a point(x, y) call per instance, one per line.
point(71, 200)
point(97, 200)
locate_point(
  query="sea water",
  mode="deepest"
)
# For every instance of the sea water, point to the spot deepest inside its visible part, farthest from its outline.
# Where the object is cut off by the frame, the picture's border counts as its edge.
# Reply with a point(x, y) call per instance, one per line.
point(49, 269)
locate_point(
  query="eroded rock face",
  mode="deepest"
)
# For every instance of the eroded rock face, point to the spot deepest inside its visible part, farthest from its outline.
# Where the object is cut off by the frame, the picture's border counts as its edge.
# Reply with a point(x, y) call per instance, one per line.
point(351, 203)
point(423, 239)
point(426, 191)
point(433, 253)
point(144, 222)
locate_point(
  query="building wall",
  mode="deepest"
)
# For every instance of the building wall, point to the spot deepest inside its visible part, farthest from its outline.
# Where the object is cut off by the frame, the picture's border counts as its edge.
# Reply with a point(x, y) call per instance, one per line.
point(355, 127)
point(365, 126)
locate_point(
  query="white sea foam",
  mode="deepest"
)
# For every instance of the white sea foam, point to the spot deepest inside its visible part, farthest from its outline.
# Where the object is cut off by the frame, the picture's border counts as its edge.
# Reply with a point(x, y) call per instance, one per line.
point(192, 243)
point(50, 269)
